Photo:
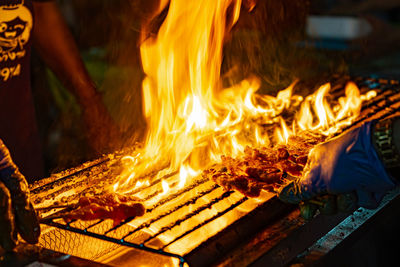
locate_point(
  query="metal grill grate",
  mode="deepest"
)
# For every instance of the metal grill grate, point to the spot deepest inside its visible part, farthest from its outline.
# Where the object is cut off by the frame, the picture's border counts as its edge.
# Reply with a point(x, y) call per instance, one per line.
point(135, 233)
point(168, 228)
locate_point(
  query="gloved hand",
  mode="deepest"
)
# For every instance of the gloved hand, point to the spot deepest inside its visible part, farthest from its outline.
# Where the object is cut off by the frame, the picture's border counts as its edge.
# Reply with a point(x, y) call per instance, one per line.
point(347, 164)
point(16, 211)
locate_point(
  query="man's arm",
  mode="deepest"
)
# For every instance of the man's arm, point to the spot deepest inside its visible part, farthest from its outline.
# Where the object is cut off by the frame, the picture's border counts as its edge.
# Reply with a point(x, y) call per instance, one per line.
point(56, 46)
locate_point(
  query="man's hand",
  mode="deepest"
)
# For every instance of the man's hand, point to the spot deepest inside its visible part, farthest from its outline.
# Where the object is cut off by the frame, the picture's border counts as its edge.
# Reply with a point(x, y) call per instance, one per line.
point(347, 166)
point(17, 214)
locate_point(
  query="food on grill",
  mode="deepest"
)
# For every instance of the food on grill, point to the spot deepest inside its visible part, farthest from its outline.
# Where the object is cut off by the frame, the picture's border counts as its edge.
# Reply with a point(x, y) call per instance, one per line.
point(263, 168)
point(106, 206)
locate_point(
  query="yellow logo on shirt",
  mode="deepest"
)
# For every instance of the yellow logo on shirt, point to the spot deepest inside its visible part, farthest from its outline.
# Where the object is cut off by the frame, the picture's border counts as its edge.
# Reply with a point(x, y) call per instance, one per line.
point(15, 28)
point(7, 73)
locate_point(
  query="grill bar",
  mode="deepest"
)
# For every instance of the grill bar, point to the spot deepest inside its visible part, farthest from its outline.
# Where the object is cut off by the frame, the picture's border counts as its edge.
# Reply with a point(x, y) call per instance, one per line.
point(219, 214)
point(172, 196)
point(154, 183)
point(168, 199)
point(380, 107)
point(59, 180)
point(93, 225)
point(189, 215)
point(147, 224)
point(186, 189)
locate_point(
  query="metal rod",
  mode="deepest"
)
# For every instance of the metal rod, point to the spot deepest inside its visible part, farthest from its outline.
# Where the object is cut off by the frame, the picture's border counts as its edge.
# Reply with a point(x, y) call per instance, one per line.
point(193, 200)
point(106, 159)
point(94, 224)
point(53, 207)
point(154, 182)
point(173, 196)
point(151, 209)
point(189, 215)
point(219, 214)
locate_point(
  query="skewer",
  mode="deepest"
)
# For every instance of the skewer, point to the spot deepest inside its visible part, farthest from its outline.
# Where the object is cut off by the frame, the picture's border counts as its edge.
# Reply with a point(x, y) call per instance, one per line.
point(56, 207)
point(49, 218)
point(57, 215)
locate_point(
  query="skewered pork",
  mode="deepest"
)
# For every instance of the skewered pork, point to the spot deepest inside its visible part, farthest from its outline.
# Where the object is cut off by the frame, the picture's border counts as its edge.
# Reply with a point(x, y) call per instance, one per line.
point(106, 206)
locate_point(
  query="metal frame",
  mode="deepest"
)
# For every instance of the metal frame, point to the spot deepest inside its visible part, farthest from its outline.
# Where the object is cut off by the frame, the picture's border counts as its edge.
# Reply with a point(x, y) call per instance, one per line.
point(117, 241)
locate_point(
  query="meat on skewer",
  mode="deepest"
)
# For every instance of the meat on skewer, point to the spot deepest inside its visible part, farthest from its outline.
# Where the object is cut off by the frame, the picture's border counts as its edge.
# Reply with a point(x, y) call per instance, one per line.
point(106, 206)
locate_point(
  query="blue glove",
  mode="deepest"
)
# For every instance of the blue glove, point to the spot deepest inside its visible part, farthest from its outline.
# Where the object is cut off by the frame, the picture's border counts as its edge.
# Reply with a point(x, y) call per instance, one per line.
point(346, 164)
point(16, 210)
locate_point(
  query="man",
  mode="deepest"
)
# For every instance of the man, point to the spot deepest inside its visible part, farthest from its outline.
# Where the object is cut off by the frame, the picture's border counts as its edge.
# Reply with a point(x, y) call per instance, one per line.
point(23, 22)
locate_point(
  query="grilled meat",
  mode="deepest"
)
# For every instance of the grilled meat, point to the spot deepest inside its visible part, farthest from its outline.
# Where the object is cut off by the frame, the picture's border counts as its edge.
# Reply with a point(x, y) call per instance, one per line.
point(263, 168)
point(106, 206)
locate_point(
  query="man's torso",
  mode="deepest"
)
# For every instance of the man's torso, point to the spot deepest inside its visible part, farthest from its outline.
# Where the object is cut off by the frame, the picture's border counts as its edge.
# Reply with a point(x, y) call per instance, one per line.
point(17, 115)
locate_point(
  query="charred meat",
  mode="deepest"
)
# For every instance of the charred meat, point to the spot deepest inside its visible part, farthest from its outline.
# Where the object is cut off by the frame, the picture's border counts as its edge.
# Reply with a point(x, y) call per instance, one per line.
point(106, 206)
point(263, 168)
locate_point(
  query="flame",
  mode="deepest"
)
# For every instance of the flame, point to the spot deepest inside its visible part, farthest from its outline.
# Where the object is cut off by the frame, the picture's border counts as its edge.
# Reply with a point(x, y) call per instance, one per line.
point(331, 117)
point(165, 187)
point(185, 173)
point(192, 120)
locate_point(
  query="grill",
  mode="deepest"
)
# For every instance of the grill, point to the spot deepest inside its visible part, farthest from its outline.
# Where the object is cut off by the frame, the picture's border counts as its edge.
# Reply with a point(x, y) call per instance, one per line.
point(199, 225)
point(204, 210)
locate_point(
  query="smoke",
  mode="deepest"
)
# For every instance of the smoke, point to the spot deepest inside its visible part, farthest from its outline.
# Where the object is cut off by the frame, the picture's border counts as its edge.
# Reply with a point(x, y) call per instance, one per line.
point(265, 43)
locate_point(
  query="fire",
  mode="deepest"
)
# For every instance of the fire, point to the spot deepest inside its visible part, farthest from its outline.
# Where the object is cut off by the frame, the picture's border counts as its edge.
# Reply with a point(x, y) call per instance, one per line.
point(192, 120)
point(165, 187)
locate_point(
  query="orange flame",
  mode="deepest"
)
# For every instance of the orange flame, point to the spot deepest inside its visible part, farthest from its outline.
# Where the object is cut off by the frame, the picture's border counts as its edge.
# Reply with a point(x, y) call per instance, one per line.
point(192, 120)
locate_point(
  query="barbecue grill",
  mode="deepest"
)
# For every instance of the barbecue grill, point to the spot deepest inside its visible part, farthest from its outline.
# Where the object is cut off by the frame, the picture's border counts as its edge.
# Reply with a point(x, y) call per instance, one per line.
point(201, 224)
